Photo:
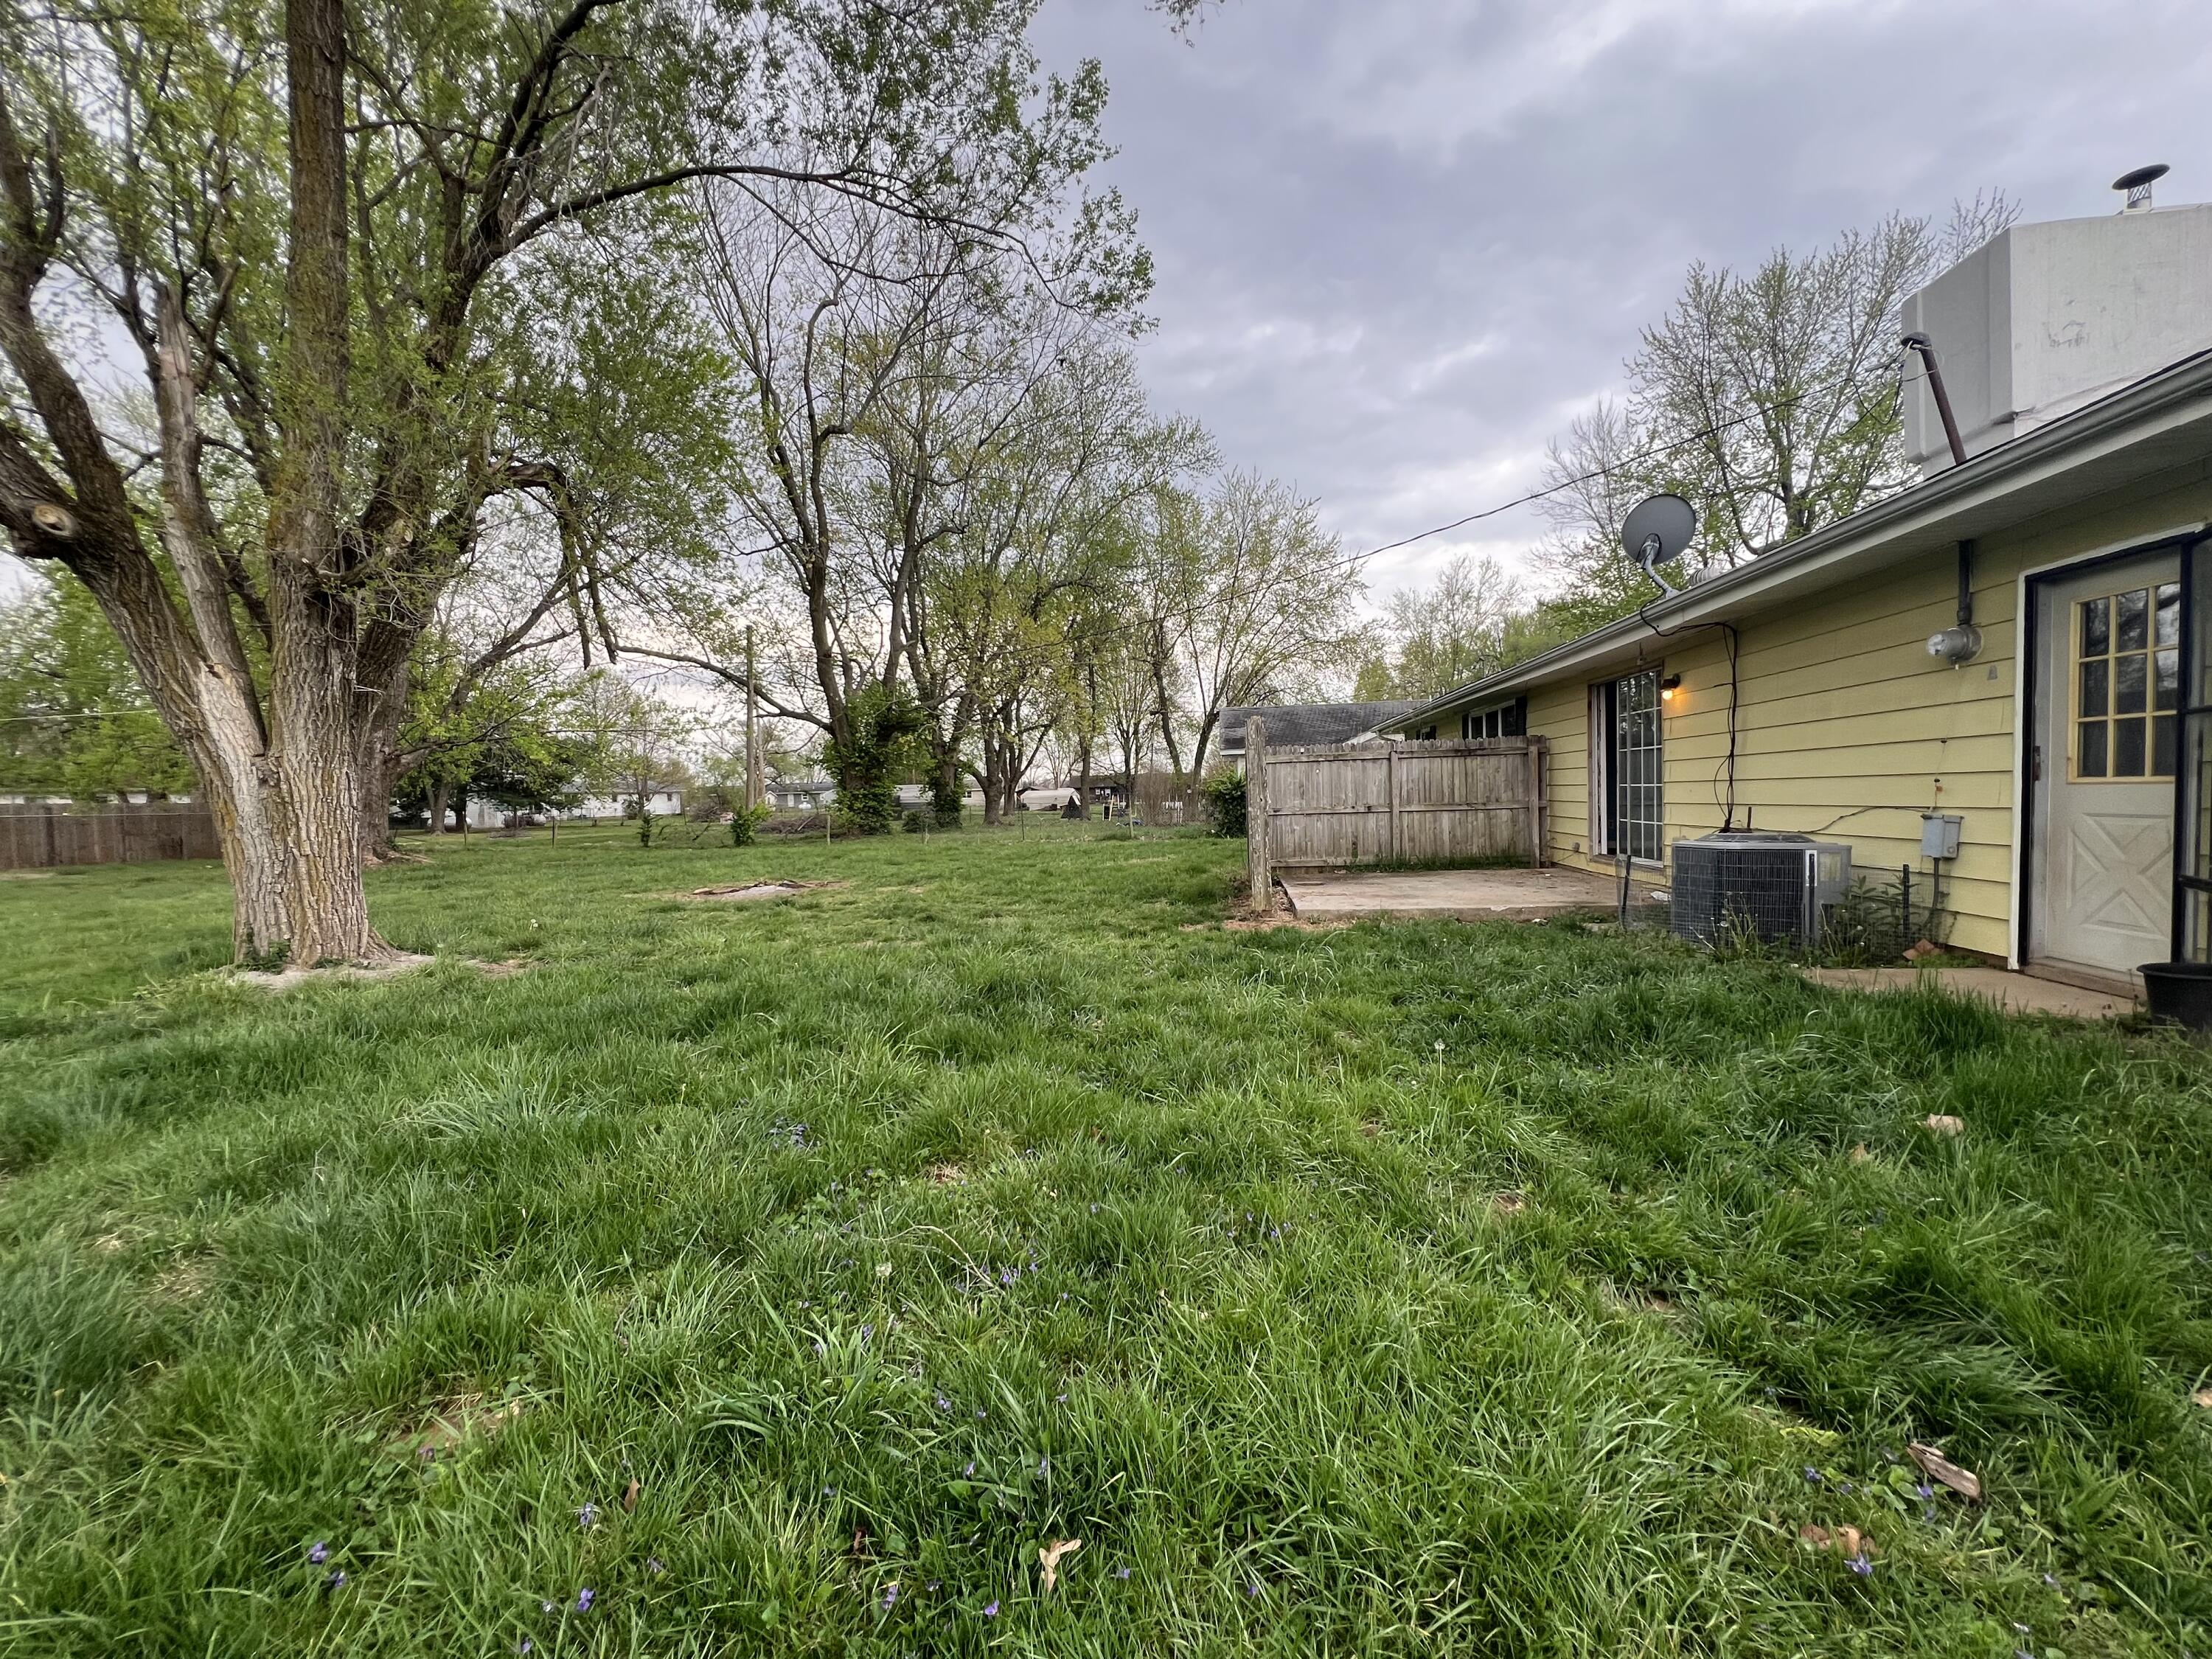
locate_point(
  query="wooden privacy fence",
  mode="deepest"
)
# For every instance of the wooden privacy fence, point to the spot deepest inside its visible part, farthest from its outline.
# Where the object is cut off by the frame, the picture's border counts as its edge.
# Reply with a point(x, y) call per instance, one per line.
point(40, 837)
point(1470, 802)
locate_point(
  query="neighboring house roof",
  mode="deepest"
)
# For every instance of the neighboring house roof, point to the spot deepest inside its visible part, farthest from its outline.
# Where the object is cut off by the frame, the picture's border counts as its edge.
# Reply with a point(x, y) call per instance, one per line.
point(805, 786)
point(2160, 422)
point(1304, 723)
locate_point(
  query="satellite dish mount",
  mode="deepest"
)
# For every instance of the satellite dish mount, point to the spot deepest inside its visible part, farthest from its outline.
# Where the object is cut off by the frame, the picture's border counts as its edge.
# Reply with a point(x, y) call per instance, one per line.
point(1656, 532)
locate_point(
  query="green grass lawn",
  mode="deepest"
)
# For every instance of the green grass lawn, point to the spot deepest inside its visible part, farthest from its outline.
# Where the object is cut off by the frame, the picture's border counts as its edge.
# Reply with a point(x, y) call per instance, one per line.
point(780, 1278)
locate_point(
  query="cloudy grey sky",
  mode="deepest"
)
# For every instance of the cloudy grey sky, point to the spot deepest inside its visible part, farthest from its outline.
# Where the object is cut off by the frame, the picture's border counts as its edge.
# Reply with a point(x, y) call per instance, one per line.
point(1400, 242)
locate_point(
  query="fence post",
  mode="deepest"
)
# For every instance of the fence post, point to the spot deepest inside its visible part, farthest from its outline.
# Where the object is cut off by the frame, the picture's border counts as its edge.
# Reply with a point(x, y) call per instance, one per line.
point(1255, 815)
point(1532, 749)
point(1390, 777)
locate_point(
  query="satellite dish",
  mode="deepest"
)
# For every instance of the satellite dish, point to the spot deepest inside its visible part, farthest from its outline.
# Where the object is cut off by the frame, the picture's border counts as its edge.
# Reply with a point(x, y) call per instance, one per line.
point(1658, 532)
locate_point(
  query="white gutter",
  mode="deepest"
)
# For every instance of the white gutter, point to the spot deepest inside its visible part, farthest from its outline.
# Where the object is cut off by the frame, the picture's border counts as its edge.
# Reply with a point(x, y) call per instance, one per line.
point(2172, 397)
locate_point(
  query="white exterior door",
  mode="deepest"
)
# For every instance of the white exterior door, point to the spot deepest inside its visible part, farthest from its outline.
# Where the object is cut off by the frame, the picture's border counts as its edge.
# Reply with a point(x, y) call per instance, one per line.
point(2109, 689)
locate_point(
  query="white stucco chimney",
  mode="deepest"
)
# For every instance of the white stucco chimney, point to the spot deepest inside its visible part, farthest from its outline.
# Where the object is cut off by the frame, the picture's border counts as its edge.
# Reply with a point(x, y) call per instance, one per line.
point(2044, 318)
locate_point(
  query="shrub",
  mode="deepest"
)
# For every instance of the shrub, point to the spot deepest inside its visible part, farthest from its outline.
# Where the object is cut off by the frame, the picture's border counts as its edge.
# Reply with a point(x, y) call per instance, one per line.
point(1223, 794)
point(913, 823)
point(746, 823)
point(881, 727)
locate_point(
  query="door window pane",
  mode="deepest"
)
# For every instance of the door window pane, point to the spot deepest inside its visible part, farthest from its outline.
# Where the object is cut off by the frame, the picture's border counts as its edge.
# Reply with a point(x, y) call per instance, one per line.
point(2169, 680)
point(2096, 687)
point(2166, 629)
point(2128, 689)
point(2128, 749)
point(2132, 619)
point(2089, 750)
point(2097, 628)
point(2162, 735)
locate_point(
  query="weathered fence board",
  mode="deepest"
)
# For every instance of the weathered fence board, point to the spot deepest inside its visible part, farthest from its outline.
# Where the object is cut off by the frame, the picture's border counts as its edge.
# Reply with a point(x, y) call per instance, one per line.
point(1395, 803)
point(39, 837)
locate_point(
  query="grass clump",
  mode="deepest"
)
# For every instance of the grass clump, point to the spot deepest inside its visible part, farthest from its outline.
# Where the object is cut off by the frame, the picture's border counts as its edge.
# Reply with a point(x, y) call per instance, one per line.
point(788, 1276)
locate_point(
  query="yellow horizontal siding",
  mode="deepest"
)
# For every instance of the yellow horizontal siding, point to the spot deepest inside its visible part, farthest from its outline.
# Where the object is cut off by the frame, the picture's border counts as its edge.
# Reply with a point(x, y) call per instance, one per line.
point(1846, 727)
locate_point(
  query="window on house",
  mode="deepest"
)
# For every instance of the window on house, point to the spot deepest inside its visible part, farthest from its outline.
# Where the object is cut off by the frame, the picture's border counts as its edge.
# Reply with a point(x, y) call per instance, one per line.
point(1634, 801)
point(1506, 720)
point(2127, 683)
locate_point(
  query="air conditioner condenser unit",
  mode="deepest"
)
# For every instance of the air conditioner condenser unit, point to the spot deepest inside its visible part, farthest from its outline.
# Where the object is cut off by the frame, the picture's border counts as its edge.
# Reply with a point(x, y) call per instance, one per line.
point(1774, 887)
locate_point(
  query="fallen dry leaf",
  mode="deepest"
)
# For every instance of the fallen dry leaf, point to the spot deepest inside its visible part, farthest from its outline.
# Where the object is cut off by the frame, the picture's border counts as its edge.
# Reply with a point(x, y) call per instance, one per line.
point(1944, 1124)
point(2202, 1397)
point(1923, 948)
point(1848, 1540)
point(629, 1496)
point(1050, 1556)
point(1860, 1155)
point(1944, 1472)
point(1509, 1203)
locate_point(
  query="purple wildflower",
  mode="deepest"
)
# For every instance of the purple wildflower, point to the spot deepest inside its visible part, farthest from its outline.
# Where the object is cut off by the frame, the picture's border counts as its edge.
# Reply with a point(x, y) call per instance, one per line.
point(1859, 1565)
point(525, 1645)
point(890, 1597)
point(866, 1331)
point(992, 1611)
point(1044, 1467)
point(1812, 1476)
point(828, 1492)
point(655, 1565)
point(585, 1598)
point(545, 1608)
point(1059, 1399)
point(934, 1584)
point(970, 1469)
point(980, 1414)
point(1252, 1588)
point(319, 1551)
point(1924, 1491)
point(336, 1580)
point(1120, 1572)
point(943, 1404)
point(588, 1517)
point(2050, 1581)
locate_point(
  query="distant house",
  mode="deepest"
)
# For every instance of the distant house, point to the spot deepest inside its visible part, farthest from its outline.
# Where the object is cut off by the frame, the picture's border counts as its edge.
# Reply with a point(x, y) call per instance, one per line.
point(1998, 681)
point(1310, 723)
point(661, 803)
point(801, 794)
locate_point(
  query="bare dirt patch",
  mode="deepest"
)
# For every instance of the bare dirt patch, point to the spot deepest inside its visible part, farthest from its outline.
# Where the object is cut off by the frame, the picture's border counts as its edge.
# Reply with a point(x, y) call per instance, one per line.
point(285, 979)
point(758, 890)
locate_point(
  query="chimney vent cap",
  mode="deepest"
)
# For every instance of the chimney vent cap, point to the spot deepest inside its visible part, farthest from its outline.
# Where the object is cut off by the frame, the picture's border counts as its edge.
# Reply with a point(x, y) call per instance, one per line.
point(2137, 183)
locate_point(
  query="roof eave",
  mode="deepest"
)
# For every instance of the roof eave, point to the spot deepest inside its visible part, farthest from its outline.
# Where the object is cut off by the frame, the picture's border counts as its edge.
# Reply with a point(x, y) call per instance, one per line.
point(1862, 532)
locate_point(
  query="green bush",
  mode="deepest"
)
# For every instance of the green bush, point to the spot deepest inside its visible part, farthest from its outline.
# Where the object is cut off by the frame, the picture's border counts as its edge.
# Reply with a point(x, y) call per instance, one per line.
point(1224, 795)
point(745, 822)
point(881, 729)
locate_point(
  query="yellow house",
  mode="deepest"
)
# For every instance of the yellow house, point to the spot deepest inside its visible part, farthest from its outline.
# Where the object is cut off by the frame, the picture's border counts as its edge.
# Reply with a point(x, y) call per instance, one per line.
point(1802, 691)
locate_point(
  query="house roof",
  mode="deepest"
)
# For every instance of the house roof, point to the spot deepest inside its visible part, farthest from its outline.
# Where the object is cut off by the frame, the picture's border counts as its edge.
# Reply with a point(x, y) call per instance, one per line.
point(1302, 723)
point(2160, 423)
point(804, 786)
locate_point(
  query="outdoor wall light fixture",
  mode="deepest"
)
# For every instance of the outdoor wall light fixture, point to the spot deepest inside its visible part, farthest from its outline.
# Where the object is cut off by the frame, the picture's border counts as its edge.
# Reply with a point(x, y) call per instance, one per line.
point(1668, 687)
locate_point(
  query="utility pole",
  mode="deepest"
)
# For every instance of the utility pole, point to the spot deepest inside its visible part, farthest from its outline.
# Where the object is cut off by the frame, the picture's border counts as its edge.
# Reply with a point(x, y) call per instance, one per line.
point(752, 729)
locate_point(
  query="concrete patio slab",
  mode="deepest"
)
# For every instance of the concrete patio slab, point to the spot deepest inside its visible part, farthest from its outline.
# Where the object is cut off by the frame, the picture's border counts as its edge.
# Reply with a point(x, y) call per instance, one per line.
point(1496, 894)
point(2017, 993)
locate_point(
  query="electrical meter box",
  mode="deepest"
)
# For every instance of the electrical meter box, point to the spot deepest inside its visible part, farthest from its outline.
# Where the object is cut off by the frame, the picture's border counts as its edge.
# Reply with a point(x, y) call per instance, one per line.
point(1939, 835)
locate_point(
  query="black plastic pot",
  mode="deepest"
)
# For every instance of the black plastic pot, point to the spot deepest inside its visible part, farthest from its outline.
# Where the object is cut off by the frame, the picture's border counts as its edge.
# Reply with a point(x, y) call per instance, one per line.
point(2179, 991)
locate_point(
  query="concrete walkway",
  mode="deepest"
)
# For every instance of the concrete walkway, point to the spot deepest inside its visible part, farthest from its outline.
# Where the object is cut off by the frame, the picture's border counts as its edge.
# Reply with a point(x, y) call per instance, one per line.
point(2017, 993)
point(1509, 895)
